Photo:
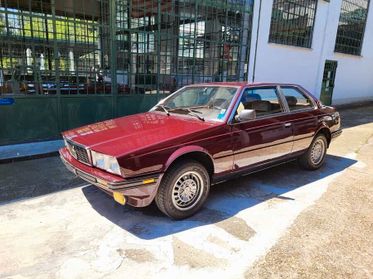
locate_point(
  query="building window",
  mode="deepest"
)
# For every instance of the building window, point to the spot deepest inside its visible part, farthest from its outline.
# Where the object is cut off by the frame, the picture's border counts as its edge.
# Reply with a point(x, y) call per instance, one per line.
point(292, 22)
point(351, 26)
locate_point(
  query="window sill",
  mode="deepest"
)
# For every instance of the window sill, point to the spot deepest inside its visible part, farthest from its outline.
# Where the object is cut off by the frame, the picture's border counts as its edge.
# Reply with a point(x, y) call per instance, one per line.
point(358, 56)
point(291, 46)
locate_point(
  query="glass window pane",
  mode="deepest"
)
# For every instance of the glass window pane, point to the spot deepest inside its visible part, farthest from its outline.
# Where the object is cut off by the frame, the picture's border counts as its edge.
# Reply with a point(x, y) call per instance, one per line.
point(351, 26)
point(292, 22)
point(263, 100)
point(209, 102)
point(296, 100)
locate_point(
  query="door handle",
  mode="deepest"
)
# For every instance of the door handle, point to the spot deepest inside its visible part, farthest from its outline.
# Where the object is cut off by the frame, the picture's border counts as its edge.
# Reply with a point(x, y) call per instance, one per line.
point(287, 125)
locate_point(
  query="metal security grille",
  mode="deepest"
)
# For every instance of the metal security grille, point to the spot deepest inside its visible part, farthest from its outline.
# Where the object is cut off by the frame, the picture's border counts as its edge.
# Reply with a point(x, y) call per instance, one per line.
point(292, 22)
point(50, 47)
point(123, 47)
point(73, 62)
point(351, 26)
point(163, 45)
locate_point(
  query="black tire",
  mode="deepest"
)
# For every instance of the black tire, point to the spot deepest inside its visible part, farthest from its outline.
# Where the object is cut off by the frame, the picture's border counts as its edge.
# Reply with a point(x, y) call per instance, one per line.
point(307, 160)
point(185, 176)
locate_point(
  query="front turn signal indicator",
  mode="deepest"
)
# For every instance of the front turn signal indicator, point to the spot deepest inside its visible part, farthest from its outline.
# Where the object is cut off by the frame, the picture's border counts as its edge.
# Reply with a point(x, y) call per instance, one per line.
point(119, 198)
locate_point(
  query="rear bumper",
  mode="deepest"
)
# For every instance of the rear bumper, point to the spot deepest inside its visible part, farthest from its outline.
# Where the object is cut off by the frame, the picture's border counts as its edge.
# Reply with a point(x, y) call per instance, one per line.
point(336, 133)
point(138, 192)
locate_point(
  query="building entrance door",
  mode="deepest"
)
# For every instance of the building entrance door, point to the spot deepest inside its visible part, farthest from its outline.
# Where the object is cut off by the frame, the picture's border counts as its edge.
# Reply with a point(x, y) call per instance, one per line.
point(327, 88)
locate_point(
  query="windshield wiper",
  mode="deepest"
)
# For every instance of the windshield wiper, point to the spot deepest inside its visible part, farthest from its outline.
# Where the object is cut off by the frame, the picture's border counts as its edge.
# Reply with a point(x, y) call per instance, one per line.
point(194, 113)
point(191, 112)
point(164, 108)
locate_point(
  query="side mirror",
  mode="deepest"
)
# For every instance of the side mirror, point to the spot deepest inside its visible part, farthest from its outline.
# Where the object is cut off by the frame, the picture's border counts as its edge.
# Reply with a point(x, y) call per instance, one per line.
point(245, 115)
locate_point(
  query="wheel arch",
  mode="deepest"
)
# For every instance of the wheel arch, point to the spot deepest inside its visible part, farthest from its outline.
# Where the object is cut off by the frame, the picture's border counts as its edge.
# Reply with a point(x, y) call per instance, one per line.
point(326, 132)
point(196, 153)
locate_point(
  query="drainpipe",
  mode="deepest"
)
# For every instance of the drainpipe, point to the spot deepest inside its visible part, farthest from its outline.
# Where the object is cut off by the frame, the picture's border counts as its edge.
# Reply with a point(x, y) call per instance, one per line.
point(322, 57)
point(244, 51)
point(256, 39)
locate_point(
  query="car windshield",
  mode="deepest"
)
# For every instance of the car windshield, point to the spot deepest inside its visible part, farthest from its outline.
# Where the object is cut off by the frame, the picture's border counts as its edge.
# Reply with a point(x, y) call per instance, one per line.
point(203, 102)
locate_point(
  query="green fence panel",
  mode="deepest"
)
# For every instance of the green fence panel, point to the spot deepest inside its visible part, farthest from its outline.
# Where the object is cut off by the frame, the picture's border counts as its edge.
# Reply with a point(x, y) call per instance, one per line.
point(81, 110)
point(131, 104)
point(29, 119)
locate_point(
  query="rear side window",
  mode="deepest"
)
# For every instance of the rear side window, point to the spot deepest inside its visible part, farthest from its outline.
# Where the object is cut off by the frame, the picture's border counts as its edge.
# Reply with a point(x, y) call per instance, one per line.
point(264, 101)
point(296, 100)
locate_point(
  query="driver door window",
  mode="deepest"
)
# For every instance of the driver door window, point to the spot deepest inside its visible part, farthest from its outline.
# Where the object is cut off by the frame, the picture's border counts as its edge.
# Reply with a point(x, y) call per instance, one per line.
point(264, 101)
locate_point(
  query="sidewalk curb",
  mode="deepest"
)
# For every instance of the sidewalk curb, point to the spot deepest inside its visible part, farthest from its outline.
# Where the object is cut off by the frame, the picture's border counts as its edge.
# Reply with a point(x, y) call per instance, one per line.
point(29, 157)
point(29, 151)
point(353, 105)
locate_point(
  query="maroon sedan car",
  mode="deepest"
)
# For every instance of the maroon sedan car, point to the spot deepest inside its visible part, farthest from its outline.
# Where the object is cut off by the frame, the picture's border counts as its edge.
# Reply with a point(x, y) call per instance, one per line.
point(198, 136)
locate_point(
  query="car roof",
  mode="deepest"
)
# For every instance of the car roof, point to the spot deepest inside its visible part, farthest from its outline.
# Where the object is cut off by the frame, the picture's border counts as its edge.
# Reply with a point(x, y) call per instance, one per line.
point(245, 83)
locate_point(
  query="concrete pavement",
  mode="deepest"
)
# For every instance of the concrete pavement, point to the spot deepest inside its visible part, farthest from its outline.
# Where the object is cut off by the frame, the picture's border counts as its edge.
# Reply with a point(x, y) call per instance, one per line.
point(334, 237)
point(82, 233)
point(31, 178)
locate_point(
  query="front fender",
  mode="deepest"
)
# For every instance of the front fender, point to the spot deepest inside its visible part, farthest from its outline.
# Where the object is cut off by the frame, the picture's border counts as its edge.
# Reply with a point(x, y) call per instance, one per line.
point(184, 151)
point(322, 126)
point(325, 122)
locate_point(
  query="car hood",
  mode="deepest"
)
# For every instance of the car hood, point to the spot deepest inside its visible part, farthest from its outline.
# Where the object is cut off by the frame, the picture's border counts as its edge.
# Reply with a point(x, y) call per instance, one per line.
point(130, 134)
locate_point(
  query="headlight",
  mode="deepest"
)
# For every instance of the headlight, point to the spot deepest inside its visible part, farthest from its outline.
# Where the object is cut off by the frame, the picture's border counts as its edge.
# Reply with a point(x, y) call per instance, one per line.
point(105, 162)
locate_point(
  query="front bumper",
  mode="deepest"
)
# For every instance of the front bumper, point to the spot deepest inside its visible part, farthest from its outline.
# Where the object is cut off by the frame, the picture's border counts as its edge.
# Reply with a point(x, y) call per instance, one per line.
point(138, 192)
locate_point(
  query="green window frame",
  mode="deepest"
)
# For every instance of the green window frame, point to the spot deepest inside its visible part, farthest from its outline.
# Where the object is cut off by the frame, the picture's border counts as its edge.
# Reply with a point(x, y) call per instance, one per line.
point(292, 22)
point(351, 27)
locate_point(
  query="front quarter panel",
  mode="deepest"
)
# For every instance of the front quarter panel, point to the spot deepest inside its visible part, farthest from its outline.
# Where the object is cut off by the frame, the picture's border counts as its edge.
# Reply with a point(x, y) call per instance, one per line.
point(330, 118)
point(215, 143)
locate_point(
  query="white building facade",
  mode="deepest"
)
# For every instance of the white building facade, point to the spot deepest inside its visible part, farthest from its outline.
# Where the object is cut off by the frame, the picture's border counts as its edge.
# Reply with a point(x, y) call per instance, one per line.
point(327, 47)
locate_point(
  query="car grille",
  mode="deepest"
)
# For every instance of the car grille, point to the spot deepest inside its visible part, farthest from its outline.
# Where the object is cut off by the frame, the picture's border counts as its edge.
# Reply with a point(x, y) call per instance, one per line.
point(78, 152)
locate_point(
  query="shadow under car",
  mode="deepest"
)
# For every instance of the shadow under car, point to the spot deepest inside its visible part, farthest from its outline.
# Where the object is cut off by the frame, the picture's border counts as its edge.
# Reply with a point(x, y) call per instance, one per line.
point(225, 200)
